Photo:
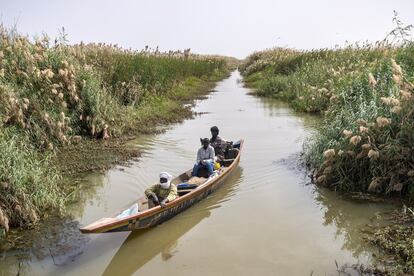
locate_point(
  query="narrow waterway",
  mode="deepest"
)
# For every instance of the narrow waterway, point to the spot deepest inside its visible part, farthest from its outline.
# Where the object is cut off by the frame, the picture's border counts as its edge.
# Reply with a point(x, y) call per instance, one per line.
point(265, 220)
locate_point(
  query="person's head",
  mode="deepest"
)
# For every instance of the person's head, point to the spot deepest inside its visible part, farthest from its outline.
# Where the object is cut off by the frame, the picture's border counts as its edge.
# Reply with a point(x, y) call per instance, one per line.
point(165, 180)
point(205, 142)
point(214, 131)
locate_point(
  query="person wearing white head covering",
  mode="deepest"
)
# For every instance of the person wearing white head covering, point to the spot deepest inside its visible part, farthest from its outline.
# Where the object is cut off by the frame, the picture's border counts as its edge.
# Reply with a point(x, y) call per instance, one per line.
point(163, 192)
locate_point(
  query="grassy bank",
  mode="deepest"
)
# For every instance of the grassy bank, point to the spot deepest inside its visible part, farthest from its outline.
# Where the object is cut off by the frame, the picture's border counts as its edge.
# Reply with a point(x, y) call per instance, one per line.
point(54, 96)
point(99, 155)
point(366, 142)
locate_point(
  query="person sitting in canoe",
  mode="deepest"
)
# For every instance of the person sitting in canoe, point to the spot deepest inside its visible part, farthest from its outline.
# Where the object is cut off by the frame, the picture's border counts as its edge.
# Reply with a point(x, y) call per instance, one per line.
point(161, 193)
point(205, 158)
point(217, 143)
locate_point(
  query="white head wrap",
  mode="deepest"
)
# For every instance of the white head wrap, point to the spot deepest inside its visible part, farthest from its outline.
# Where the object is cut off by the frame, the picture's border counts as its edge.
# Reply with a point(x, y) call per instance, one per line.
point(167, 184)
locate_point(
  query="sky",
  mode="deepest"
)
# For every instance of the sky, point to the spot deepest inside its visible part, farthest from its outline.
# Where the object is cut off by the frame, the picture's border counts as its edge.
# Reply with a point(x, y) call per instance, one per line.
point(226, 27)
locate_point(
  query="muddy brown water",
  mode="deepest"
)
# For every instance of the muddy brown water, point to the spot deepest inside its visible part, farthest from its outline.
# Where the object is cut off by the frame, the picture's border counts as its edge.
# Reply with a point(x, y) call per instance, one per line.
point(265, 220)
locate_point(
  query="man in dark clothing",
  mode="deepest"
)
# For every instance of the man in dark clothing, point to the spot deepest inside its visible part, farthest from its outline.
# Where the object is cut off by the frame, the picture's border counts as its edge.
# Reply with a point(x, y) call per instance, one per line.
point(217, 143)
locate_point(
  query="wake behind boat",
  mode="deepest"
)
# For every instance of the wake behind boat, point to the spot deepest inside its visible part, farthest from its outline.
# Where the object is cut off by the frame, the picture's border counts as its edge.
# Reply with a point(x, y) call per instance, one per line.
point(139, 216)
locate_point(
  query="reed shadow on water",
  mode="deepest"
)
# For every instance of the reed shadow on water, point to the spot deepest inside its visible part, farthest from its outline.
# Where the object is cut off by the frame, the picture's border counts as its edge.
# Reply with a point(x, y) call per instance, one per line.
point(142, 246)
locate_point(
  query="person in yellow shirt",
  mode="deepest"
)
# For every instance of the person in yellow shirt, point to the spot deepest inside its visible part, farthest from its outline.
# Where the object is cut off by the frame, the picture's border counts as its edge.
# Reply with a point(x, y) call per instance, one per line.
point(161, 193)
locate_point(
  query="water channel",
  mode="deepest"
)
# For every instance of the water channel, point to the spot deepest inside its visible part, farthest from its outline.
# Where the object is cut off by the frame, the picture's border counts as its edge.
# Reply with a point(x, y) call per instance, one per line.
point(265, 220)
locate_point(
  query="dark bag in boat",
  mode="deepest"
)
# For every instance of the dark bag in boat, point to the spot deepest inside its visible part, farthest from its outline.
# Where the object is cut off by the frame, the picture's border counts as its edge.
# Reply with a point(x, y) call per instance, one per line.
point(185, 186)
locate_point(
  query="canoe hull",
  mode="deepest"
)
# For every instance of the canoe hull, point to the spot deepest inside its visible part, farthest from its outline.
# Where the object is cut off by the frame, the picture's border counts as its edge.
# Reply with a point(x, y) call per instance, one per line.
point(159, 215)
point(173, 211)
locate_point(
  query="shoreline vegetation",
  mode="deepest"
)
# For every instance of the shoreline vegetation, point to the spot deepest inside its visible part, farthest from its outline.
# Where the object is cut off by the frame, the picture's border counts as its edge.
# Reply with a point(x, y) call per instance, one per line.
point(60, 103)
point(365, 143)
point(365, 94)
point(68, 109)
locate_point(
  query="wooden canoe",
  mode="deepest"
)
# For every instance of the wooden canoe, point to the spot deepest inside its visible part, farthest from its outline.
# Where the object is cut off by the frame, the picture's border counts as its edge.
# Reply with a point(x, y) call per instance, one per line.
point(129, 257)
point(148, 217)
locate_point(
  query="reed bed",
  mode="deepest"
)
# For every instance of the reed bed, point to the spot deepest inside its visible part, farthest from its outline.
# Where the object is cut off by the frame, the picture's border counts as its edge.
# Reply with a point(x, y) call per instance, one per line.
point(54, 94)
point(365, 142)
point(365, 93)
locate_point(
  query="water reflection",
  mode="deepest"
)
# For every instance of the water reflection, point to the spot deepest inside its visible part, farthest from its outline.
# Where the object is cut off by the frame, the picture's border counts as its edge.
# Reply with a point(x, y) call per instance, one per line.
point(140, 247)
point(56, 238)
point(276, 108)
point(351, 218)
